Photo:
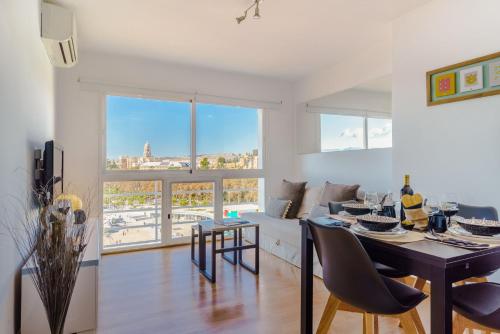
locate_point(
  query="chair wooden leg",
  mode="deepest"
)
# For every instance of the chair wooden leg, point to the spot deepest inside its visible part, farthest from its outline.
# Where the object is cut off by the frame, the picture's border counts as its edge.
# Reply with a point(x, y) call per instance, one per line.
point(415, 317)
point(328, 314)
point(420, 283)
point(458, 325)
point(375, 324)
point(368, 323)
point(407, 322)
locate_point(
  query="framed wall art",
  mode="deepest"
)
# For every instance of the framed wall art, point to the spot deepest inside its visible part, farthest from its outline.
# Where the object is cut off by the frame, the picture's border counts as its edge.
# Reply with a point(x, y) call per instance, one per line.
point(470, 79)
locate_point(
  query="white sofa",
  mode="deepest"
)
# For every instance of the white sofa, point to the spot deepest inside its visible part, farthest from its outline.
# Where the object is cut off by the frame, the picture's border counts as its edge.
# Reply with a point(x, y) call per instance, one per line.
point(282, 237)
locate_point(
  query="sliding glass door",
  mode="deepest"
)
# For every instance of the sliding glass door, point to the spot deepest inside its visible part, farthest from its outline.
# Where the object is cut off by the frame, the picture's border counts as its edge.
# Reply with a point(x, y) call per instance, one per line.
point(132, 213)
point(191, 203)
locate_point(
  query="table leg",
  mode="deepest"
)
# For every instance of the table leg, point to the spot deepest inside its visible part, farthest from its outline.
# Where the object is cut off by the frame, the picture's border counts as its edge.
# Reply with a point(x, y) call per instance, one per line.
point(193, 239)
point(255, 268)
point(214, 249)
point(257, 247)
point(202, 257)
point(234, 260)
point(306, 282)
point(441, 303)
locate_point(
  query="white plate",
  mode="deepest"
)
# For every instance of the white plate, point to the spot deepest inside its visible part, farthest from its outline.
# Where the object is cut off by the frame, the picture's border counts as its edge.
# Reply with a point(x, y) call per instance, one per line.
point(457, 231)
point(396, 232)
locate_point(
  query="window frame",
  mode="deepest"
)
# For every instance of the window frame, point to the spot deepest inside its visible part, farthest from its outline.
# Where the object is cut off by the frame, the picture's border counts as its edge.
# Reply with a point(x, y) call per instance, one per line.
point(168, 177)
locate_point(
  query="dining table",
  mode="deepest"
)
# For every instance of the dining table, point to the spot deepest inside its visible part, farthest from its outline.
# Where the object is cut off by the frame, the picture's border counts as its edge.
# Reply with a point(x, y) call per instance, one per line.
point(439, 263)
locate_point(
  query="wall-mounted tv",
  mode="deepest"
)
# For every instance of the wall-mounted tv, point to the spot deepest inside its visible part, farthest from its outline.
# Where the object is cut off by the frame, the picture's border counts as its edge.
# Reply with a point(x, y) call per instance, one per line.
point(49, 173)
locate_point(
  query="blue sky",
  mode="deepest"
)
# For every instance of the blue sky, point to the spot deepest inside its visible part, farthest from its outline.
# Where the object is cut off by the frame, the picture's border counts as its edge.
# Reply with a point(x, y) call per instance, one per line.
point(167, 127)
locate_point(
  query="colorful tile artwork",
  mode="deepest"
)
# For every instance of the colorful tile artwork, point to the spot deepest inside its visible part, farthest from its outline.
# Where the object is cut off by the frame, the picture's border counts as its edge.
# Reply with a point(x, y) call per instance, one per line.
point(445, 85)
point(471, 79)
point(494, 74)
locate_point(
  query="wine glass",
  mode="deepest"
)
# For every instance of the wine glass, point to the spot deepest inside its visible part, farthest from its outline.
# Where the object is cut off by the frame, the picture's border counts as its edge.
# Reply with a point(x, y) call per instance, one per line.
point(432, 204)
point(449, 205)
point(371, 200)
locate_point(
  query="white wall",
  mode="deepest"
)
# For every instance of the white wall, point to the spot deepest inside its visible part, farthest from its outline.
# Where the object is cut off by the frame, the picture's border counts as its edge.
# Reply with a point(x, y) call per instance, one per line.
point(451, 148)
point(78, 109)
point(375, 62)
point(372, 169)
point(369, 168)
point(26, 122)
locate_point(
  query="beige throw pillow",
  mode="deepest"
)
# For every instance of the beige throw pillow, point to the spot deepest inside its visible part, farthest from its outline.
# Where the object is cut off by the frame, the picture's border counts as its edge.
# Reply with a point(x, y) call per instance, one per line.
point(338, 193)
point(293, 191)
point(311, 198)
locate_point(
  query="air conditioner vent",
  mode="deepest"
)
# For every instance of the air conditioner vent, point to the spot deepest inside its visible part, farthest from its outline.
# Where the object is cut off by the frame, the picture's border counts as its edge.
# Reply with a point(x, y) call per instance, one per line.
point(59, 35)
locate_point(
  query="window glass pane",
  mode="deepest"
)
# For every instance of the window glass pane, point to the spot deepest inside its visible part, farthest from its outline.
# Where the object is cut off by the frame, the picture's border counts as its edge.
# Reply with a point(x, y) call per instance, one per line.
point(191, 202)
point(228, 137)
point(132, 213)
point(242, 195)
point(339, 132)
point(379, 132)
point(147, 134)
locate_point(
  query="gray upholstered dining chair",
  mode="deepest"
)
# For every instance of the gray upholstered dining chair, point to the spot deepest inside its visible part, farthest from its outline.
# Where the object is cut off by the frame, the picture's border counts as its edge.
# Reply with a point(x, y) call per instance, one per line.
point(351, 278)
point(480, 212)
point(477, 307)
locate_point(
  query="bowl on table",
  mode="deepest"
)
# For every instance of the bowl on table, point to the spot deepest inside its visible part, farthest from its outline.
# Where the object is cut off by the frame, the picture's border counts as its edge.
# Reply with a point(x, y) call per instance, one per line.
point(481, 227)
point(356, 209)
point(377, 223)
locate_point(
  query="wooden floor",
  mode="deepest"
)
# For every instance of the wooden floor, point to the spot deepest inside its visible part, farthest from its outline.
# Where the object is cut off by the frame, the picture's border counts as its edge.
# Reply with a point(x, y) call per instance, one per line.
point(160, 291)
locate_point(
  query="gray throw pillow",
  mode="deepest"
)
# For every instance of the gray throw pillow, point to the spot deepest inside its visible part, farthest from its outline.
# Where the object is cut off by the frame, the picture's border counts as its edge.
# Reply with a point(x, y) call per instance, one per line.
point(292, 191)
point(336, 207)
point(278, 208)
point(338, 193)
point(319, 211)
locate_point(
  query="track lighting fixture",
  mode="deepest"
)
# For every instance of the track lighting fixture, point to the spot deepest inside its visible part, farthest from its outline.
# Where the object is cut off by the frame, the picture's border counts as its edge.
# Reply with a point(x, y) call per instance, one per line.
point(256, 14)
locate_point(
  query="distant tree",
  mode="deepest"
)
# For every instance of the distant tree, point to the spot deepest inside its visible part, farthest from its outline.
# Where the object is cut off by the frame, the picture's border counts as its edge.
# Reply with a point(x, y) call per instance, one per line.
point(204, 163)
point(221, 161)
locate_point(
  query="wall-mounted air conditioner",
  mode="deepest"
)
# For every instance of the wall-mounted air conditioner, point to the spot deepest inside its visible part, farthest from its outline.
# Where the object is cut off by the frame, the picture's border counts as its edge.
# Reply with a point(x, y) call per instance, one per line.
point(59, 35)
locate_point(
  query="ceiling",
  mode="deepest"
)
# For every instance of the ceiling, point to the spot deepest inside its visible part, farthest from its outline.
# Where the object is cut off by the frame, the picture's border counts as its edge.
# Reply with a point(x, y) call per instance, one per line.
point(294, 38)
point(380, 85)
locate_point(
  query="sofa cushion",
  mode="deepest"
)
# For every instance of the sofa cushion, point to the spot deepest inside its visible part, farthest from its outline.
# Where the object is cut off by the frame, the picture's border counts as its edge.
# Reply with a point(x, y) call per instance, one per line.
point(293, 191)
point(278, 208)
point(338, 193)
point(311, 198)
point(319, 211)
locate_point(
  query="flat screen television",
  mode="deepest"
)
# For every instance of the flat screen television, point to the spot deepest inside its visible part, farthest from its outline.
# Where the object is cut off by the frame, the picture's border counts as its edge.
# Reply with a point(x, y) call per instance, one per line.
point(53, 169)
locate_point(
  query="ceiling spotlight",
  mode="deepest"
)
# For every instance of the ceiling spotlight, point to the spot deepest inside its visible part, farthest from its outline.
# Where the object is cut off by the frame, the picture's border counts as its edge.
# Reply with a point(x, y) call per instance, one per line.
point(256, 14)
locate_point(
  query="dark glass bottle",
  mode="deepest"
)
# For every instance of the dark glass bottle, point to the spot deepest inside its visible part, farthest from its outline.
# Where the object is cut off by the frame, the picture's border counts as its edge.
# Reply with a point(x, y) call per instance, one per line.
point(406, 190)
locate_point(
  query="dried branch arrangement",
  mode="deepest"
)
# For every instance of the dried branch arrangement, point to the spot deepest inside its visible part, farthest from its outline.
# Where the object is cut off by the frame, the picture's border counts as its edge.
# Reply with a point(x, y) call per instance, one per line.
point(52, 240)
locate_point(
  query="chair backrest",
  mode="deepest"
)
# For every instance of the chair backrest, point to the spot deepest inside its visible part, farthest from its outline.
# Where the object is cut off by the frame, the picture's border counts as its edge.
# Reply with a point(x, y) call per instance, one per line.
point(480, 212)
point(348, 271)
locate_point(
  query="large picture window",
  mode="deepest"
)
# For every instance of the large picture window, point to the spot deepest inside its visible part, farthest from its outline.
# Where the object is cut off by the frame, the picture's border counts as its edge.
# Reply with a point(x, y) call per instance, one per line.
point(170, 164)
point(146, 134)
point(228, 137)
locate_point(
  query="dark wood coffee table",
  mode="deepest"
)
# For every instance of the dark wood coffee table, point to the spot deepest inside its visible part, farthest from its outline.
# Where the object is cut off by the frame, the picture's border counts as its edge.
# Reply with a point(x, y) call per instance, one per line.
point(209, 228)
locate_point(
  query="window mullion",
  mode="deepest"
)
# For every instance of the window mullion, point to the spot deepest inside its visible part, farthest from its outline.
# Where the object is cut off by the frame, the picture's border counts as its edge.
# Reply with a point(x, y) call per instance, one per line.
point(193, 136)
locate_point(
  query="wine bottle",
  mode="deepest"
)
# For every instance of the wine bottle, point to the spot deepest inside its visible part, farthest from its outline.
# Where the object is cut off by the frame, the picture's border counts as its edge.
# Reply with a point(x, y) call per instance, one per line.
point(406, 190)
